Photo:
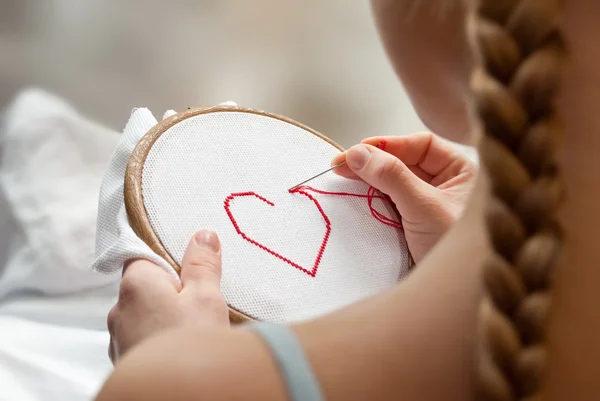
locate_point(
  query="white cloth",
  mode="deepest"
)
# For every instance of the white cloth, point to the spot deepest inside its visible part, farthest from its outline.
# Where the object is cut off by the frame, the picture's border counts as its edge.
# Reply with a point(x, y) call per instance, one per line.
point(51, 167)
point(53, 337)
point(286, 261)
point(116, 242)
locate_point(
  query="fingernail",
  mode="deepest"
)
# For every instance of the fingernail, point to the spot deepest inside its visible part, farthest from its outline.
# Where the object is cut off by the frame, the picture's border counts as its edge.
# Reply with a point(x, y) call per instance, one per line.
point(207, 239)
point(357, 156)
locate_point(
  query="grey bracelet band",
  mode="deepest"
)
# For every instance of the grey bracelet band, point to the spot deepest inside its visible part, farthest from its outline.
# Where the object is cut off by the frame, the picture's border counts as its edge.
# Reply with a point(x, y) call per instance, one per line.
point(301, 383)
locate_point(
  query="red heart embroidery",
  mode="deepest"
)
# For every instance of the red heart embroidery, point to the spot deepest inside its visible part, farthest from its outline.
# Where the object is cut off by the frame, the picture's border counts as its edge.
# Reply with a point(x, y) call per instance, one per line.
point(311, 272)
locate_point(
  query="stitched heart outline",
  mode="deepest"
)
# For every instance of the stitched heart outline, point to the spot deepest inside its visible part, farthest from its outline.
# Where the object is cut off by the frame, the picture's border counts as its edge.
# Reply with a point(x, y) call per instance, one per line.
point(312, 272)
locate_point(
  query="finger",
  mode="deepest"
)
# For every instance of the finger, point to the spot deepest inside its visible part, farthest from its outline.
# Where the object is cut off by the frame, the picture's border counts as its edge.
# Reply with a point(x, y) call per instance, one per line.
point(346, 172)
point(429, 152)
point(111, 351)
point(144, 283)
point(201, 265)
point(111, 324)
point(391, 176)
point(426, 155)
point(141, 276)
point(342, 170)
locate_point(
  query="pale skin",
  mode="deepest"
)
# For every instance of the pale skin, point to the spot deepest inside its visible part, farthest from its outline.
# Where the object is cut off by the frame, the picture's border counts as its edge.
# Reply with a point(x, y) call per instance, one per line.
point(422, 332)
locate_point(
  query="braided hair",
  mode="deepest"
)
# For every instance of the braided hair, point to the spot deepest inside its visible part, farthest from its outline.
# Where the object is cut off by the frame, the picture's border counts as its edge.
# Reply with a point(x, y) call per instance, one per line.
point(519, 53)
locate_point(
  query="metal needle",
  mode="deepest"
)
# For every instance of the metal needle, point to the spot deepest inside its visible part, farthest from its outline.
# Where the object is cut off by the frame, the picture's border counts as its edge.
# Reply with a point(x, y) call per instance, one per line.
point(379, 145)
point(318, 175)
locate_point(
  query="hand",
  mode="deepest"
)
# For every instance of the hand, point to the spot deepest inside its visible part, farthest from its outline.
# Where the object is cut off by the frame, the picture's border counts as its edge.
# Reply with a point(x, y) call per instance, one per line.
point(151, 300)
point(428, 181)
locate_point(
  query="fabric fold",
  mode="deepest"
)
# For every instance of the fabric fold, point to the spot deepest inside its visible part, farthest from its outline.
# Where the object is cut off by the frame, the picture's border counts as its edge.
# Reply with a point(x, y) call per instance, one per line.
point(116, 242)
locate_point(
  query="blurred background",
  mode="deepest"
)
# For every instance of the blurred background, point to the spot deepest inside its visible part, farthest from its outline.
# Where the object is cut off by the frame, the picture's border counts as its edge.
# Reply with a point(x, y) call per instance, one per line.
point(319, 62)
point(316, 61)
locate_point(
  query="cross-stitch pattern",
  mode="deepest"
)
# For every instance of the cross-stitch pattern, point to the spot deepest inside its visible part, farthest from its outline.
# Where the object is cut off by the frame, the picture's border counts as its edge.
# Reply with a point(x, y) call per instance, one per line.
point(312, 271)
point(303, 190)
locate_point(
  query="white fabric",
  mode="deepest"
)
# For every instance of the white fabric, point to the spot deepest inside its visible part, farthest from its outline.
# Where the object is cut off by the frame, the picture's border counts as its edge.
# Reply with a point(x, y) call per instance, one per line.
point(52, 164)
point(116, 242)
point(198, 163)
point(53, 337)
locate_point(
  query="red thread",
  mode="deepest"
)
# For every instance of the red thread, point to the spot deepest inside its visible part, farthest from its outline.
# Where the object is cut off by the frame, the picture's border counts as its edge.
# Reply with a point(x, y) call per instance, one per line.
point(370, 195)
point(303, 190)
point(312, 272)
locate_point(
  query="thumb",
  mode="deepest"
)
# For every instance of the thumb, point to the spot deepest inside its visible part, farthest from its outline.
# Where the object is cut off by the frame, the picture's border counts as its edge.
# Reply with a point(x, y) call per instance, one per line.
point(201, 264)
point(391, 176)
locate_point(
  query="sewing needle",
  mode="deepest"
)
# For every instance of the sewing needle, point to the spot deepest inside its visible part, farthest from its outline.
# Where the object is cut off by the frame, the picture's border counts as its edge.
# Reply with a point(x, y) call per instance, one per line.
point(380, 145)
point(318, 175)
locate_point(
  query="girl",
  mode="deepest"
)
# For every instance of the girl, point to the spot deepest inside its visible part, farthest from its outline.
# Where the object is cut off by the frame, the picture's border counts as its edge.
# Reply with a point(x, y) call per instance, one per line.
point(471, 321)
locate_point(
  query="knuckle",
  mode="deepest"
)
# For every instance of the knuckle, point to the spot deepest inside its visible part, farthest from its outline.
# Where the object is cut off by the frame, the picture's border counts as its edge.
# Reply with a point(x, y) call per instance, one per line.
point(111, 319)
point(111, 355)
point(422, 137)
point(426, 135)
point(211, 302)
point(207, 265)
point(128, 290)
point(471, 167)
point(390, 170)
point(442, 213)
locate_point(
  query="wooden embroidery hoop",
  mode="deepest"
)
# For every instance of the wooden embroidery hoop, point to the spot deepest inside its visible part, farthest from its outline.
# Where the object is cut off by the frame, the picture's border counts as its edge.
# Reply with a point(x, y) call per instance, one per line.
point(133, 195)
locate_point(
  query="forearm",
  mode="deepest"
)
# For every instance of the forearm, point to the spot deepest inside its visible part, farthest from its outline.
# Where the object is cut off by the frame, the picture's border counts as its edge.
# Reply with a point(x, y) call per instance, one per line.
point(192, 363)
point(418, 340)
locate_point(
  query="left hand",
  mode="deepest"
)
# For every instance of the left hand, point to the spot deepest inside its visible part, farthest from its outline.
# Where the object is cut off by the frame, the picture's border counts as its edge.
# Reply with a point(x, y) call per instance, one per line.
point(151, 300)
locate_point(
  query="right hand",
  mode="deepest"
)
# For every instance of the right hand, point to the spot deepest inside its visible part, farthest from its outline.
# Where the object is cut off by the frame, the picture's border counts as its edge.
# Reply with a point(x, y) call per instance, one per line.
point(428, 181)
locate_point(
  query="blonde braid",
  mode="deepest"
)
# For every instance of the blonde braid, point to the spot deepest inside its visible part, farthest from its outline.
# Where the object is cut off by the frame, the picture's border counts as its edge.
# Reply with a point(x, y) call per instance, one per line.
point(520, 50)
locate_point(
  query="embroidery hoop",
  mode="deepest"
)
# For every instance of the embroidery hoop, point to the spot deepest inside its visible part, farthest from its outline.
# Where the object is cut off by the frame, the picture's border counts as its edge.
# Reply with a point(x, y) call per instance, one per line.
point(133, 194)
